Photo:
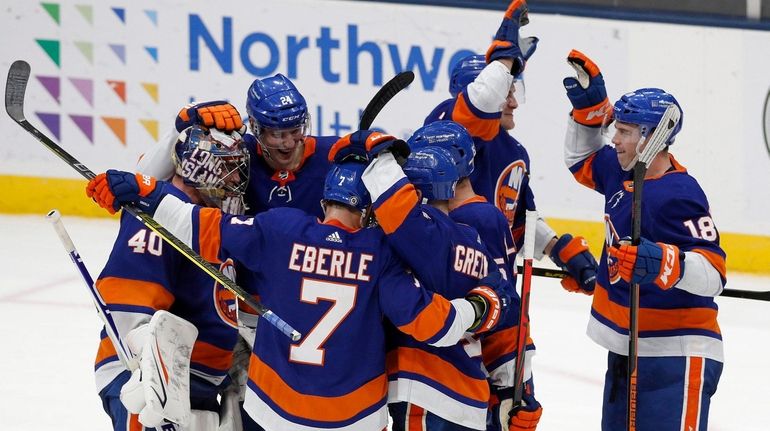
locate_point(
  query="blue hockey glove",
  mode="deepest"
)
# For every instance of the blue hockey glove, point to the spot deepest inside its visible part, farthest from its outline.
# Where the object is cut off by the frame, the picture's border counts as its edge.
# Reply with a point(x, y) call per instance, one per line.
point(217, 114)
point(491, 299)
point(572, 255)
point(586, 92)
point(649, 262)
point(506, 42)
point(114, 188)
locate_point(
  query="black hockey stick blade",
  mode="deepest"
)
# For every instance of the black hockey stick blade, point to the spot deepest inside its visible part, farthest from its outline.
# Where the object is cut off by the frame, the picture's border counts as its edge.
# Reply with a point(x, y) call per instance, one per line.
point(728, 293)
point(16, 87)
point(383, 96)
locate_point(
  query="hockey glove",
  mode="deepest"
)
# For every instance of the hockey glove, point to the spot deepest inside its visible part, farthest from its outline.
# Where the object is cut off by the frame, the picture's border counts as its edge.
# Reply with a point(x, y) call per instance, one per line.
point(217, 114)
point(649, 262)
point(586, 92)
point(491, 300)
point(113, 189)
point(506, 42)
point(522, 418)
point(572, 255)
point(365, 145)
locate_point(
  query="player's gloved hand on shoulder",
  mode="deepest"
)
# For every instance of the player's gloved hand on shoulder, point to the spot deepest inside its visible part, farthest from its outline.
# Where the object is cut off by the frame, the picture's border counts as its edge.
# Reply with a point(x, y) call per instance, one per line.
point(586, 91)
point(572, 255)
point(491, 300)
point(506, 42)
point(649, 262)
point(522, 418)
point(218, 114)
point(113, 189)
point(365, 145)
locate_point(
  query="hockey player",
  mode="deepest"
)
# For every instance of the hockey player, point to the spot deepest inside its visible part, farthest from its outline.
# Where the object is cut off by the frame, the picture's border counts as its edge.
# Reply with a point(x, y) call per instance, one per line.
point(288, 166)
point(447, 258)
point(466, 207)
point(678, 265)
point(143, 275)
point(333, 281)
point(483, 101)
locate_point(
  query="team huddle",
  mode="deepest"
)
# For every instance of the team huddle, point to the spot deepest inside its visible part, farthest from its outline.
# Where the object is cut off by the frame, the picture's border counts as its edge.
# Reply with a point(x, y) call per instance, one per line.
point(402, 280)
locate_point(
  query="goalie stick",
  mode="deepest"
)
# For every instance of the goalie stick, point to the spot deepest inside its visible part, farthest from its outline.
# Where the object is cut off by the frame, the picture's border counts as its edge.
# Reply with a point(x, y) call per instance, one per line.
point(15, 89)
point(383, 96)
point(759, 295)
point(54, 216)
point(655, 143)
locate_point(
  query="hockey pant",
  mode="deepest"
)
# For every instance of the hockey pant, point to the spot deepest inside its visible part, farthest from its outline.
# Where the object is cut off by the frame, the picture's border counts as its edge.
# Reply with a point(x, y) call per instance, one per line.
point(673, 393)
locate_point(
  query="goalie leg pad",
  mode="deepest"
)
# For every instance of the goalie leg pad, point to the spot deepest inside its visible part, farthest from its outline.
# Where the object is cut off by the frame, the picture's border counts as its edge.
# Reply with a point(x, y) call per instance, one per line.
point(160, 388)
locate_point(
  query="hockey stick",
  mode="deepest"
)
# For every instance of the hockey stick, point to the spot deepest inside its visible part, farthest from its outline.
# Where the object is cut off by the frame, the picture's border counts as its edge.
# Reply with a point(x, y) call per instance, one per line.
point(383, 96)
point(526, 287)
point(16, 87)
point(655, 143)
point(758, 295)
point(54, 216)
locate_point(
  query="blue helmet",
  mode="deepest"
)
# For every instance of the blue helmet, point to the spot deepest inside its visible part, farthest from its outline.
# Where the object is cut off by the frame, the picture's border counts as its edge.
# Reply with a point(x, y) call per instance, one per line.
point(464, 72)
point(344, 185)
point(450, 136)
point(275, 103)
point(645, 108)
point(433, 172)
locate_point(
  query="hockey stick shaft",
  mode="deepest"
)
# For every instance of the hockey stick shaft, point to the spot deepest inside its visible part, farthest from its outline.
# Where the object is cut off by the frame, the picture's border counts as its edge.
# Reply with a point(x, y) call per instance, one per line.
point(654, 144)
point(759, 295)
point(526, 287)
point(16, 86)
point(110, 327)
point(383, 96)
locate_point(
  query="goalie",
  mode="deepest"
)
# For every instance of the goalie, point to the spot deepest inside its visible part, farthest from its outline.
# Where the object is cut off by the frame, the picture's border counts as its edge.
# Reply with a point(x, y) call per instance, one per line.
point(179, 325)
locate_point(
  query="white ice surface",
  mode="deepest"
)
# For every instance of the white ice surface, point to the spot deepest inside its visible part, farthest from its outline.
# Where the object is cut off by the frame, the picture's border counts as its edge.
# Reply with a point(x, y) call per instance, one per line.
point(49, 332)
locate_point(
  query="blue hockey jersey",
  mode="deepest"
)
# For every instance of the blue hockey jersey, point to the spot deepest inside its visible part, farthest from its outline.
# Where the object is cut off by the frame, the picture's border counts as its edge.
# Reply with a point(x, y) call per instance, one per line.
point(333, 285)
point(447, 258)
point(142, 275)
point(675, 211)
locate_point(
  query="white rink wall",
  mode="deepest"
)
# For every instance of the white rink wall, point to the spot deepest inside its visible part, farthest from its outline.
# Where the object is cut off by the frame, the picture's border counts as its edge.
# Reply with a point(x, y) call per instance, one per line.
point(168, 52)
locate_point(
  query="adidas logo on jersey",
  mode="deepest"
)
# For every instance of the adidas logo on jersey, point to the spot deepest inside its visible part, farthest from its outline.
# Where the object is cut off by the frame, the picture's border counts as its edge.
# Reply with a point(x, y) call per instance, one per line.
point(334, 237)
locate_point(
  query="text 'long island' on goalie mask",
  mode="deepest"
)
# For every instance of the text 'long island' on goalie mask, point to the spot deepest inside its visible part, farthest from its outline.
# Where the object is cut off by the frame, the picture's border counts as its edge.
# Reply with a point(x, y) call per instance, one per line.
point(215, 164)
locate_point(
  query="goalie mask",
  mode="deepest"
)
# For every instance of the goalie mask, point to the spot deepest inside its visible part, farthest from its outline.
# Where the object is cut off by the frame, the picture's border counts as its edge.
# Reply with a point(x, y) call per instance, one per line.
point(214, 163)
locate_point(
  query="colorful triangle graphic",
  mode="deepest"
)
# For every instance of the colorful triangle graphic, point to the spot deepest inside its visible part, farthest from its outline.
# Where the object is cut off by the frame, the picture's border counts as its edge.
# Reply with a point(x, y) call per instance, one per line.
point(121, 13)
point(87, 49)
point(53, 11)
point(85, 87)
point(52, 48)
point(119, 87)
point(151, 89)
point(151, 126)
point(86, 125)
point(118, 127)
point(152, 15)
point(153, 51)
point(52, 123)
point(52, 85)
point(120, 51)
point(86, 11)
